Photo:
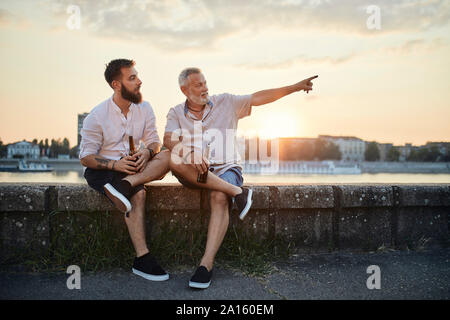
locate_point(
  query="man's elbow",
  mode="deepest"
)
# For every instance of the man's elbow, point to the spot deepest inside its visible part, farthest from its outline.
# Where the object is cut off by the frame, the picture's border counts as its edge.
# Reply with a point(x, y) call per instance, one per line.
point(83, 161)
point(167, 141)
point(256, 100)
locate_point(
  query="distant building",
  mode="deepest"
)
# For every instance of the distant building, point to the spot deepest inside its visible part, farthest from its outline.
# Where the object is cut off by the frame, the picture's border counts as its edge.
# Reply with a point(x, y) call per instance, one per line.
point(352, 148)
point(443, 147)
point(81, 117)
point(384, 149)
point(23, 149)
point(296, 148)
point(405, 151)
point(254, 148)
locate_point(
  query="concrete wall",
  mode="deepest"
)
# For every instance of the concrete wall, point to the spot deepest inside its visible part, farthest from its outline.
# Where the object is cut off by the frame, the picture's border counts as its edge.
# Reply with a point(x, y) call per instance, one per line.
point(313, 217)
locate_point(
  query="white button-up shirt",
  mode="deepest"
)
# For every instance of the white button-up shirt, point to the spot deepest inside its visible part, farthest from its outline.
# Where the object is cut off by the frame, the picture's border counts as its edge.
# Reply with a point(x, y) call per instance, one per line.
point(106, 131)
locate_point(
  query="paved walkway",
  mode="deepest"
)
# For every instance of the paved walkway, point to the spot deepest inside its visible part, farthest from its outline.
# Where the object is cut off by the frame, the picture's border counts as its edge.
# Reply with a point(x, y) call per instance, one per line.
point(341, 275)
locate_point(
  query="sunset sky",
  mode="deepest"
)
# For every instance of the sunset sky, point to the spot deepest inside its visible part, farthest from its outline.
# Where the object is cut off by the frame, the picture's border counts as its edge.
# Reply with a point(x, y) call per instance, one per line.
point(390, 84)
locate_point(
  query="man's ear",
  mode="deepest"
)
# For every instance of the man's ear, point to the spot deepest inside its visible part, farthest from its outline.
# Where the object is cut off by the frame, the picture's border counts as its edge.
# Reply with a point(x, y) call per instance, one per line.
point(116, 85)
point(184, 90)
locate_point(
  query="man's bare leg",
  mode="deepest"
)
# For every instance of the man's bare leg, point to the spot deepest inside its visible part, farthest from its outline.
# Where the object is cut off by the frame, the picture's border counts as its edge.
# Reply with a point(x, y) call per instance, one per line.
point(154, 170)
point(136, 223)
point(213, 182)
point(217, 228)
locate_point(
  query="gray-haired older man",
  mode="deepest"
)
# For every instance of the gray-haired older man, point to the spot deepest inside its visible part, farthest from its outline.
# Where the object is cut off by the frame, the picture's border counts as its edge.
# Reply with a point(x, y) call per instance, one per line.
point(202, 119)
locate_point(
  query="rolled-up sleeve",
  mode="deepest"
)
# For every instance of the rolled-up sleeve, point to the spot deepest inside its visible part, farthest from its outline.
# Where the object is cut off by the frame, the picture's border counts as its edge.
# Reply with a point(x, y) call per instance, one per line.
point(172, 123)
point(91, 136)
point(150, 132)
point(241, 104)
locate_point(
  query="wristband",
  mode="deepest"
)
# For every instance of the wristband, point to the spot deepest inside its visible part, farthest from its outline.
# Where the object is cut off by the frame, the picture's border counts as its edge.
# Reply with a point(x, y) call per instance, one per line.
point(152, 153)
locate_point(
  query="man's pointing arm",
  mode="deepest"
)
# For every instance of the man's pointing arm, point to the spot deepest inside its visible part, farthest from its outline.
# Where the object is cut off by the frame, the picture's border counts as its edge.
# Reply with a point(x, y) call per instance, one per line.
point(271, 95)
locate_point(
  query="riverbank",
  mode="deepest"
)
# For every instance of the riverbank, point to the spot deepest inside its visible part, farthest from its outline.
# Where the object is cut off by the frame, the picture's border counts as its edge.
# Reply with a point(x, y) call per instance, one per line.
point(404, 167)
point(365, 166)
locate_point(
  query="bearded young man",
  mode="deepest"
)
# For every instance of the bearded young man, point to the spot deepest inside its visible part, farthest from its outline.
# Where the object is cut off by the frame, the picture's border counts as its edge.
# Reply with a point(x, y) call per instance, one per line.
point(110, 170)
point(215, 120)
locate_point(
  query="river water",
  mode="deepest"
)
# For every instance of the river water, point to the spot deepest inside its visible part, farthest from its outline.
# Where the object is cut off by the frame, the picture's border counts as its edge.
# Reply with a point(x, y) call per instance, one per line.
point(77, 177)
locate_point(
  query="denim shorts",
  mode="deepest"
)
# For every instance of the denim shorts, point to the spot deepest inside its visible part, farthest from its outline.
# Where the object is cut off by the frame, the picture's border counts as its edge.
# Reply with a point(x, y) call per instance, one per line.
point(232, 175)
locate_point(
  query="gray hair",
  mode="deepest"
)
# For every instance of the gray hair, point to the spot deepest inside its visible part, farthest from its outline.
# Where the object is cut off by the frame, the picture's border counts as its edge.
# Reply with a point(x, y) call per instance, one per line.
point(185, 74)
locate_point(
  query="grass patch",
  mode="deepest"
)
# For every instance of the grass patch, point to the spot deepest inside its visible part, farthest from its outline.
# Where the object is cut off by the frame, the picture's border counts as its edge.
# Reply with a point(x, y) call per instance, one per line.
point(241, 249)
point(100, 241)
point(247, 252)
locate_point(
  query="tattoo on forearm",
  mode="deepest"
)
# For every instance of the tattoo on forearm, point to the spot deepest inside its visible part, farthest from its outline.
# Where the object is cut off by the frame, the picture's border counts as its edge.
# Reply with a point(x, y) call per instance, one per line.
point(102, 163)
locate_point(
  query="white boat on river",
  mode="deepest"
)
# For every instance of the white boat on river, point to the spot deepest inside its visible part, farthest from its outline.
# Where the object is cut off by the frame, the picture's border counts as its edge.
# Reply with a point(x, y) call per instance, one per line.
point(34, 167)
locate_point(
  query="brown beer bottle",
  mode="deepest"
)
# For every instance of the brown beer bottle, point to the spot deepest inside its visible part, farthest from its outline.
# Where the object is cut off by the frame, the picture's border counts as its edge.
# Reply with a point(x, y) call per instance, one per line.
point(201, 177)
point(132, 147)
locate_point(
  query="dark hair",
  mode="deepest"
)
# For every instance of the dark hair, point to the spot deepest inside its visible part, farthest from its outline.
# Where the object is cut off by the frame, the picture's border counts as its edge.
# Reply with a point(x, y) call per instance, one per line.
point(113, 72)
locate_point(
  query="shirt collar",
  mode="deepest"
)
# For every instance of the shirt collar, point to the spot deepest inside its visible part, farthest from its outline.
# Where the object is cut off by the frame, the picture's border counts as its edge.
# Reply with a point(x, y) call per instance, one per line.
point(186, 107)
point(116, 107)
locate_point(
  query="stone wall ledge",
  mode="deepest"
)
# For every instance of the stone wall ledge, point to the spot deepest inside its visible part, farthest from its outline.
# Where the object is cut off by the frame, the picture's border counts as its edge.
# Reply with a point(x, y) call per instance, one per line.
point(35, 197)
point(314, 216)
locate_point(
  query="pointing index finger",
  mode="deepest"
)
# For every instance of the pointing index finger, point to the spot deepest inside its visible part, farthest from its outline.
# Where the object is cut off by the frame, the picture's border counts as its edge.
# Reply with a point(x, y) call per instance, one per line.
point(313, 77)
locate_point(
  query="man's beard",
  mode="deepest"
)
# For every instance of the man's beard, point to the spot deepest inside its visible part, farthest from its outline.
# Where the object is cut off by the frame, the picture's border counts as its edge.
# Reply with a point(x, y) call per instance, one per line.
point(130, 96)
point(199, 100)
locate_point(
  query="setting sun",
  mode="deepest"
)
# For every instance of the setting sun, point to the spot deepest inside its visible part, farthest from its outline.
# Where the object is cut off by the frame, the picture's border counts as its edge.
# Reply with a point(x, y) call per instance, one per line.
point(279, 125)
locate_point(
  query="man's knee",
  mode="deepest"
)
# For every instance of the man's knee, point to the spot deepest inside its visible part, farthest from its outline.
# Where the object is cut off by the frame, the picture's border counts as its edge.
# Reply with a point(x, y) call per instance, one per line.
point(139, 197)
point(174, 162)
point(163, 155)
point(219, 198)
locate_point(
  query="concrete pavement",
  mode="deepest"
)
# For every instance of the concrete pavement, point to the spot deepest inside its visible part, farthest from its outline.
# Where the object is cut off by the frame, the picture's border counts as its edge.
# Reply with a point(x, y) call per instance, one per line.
point(339, 275)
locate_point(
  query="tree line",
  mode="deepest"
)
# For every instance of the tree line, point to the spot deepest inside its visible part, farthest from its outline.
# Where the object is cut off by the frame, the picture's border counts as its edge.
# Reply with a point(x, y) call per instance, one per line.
point(422, 154)
point(56, 147)
point(318, 150)
point(51, 148)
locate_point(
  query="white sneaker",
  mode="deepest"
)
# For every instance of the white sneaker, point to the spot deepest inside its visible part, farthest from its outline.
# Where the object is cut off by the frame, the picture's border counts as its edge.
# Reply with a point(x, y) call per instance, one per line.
point(119, 200)
point(244, 202)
